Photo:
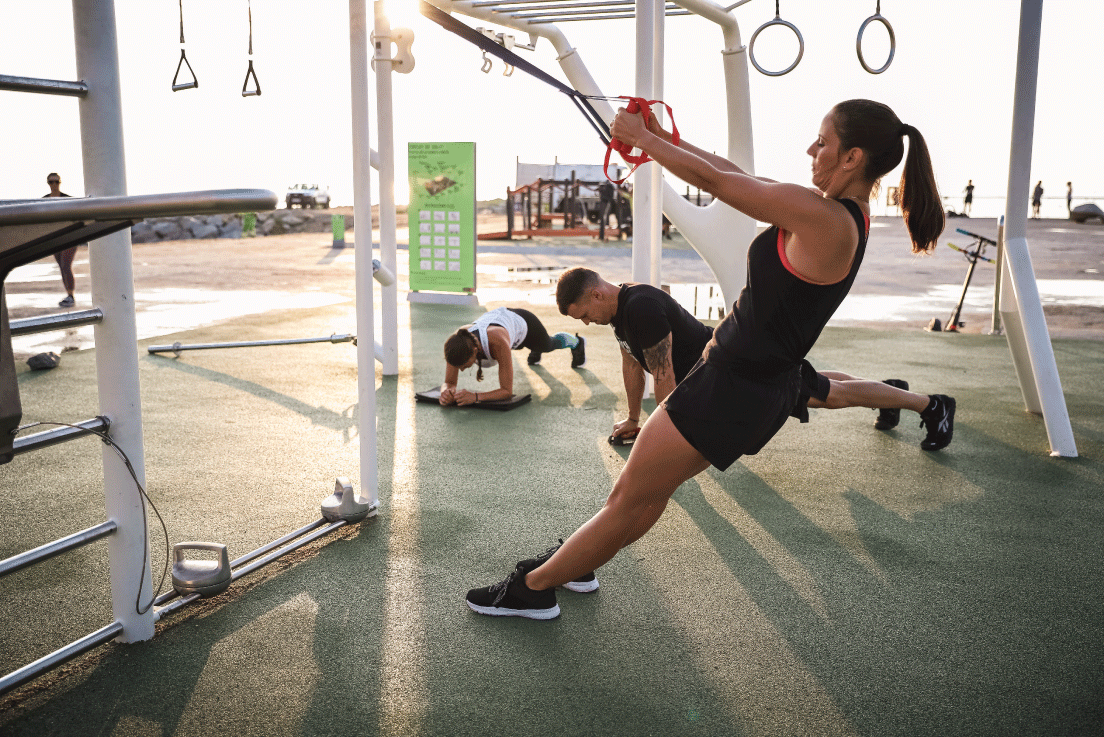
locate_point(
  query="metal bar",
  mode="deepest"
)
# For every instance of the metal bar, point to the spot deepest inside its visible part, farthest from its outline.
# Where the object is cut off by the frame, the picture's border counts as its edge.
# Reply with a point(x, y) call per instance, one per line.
point(362, 211)
point(589, 12)
point(33, 670)
point(277, 543)
point(283, 551)
point(552, 5)
point(47, 323)
point(128, 207)
point(177, 347)
point(1032, 351)
point(57, 547)
point(542, 20)
point(57, 435)
point(385, 133)
point(42, 86)
point(598, 7)
point(176, 604)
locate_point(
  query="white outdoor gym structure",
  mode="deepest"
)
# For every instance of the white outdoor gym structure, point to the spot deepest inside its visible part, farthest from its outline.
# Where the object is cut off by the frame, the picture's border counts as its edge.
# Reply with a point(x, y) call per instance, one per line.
point(709, 229)
point(104, 217)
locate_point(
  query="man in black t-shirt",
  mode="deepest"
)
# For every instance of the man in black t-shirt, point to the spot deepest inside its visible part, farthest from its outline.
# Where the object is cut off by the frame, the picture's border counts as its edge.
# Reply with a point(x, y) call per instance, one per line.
point(656, 333)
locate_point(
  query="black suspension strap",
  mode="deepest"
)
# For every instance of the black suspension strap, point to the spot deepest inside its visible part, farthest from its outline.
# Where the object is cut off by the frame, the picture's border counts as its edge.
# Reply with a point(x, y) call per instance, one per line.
point(183, 61)
point(256, 91)
point(489, 46)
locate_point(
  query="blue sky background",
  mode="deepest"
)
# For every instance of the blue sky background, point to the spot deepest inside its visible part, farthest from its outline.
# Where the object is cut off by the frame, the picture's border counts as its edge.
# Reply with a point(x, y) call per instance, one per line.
point(952, 77)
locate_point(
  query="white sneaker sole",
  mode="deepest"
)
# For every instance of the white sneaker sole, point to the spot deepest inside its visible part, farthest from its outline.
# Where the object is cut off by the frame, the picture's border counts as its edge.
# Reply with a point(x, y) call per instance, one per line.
point(582, 587)
point(498, 611)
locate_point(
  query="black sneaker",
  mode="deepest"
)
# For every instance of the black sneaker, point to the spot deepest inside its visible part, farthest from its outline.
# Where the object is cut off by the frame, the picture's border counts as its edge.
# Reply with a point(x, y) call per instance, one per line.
point(584, 584)
point(939, 419)
point(512, 598)
point(888, 418)
point(67, 302)
point(578, 353)
point(534, 358)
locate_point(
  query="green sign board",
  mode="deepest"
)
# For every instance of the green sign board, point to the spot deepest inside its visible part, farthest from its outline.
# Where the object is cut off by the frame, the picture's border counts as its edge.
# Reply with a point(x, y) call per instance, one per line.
point(442, 216)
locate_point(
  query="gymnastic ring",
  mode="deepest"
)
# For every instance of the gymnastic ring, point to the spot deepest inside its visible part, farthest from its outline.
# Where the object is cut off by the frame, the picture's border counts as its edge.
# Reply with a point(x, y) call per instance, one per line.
point(892, 43)
point(800, 46)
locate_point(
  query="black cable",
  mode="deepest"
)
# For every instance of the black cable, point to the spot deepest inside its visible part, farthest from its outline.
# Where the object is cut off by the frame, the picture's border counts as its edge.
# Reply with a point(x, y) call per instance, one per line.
point(145, 520)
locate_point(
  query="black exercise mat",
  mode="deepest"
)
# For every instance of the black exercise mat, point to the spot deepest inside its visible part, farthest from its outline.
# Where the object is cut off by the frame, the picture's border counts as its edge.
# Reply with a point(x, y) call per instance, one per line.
point(502, 405)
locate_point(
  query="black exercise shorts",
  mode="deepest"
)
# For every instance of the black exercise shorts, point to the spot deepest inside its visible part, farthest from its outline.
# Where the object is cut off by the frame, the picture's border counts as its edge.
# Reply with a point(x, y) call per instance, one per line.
point(724, 415)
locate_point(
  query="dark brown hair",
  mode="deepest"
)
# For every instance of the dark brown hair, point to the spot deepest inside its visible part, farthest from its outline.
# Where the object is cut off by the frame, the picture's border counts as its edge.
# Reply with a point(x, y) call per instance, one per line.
point(572, 285)
point(874, 128)
point(459, 347)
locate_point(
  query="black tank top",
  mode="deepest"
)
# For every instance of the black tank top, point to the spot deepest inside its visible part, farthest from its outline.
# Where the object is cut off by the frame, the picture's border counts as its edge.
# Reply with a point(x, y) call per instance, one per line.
point(779, 316)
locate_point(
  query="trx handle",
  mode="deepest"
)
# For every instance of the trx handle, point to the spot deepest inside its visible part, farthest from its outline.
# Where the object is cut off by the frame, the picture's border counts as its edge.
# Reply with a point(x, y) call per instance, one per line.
point(186, 85)
point(637, 105)
point(256, 91)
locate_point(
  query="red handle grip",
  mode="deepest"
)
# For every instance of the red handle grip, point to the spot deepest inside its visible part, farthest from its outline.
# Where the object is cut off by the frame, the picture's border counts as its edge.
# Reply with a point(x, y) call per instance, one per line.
point(637, 105)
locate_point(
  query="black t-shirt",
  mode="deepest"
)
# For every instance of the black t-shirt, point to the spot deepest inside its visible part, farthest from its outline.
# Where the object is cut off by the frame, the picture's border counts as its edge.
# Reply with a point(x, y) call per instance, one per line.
point(778, 316)
point(646, 315)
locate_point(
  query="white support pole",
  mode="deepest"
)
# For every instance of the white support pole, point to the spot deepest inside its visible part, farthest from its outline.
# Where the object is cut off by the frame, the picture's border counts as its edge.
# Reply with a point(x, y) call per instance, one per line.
point(385, 132)
point(1042, 388)
point(647, 193)
point(365, 283)
point(655, 180)
point(101, 125)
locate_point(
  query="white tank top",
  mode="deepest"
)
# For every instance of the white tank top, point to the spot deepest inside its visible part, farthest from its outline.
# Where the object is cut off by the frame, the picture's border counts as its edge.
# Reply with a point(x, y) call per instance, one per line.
point(512, 321)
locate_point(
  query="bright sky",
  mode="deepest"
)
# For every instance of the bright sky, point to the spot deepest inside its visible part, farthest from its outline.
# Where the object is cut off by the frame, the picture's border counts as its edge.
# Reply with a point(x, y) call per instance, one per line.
point(952, 77)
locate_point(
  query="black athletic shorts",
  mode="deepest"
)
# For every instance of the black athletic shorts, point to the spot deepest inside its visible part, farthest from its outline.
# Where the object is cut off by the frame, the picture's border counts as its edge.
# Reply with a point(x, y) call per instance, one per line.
point(725, 415)
point(813, 385)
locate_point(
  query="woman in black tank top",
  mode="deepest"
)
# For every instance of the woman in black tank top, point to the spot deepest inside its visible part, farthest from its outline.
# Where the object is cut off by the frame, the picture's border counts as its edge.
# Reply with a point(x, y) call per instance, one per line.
point(748, 382)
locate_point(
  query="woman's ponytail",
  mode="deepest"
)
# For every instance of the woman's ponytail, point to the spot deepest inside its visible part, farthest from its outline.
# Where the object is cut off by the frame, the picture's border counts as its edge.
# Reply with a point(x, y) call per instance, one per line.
point(919, 196)
point(876, 129)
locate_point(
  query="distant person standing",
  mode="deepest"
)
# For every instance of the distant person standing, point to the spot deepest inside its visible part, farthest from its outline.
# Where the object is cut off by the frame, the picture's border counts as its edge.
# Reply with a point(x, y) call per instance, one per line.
point(968, 202)
point(1037, 200)
point(1069, 197)
point(64, 258)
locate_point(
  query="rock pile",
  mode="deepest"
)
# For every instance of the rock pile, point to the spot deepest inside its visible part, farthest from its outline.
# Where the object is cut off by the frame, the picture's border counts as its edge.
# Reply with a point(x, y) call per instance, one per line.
point(277, 222)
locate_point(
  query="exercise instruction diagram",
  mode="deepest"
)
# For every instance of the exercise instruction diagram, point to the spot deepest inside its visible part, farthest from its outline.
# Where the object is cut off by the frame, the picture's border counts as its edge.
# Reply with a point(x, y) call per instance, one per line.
point(442, 216)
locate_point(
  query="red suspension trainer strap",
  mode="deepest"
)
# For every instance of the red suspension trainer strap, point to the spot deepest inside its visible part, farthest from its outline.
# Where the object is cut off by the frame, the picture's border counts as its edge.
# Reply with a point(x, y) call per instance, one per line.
point(636, 105)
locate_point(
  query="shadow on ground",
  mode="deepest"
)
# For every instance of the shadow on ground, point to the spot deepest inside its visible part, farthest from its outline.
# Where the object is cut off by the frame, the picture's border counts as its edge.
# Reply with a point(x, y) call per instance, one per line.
point(841, 582)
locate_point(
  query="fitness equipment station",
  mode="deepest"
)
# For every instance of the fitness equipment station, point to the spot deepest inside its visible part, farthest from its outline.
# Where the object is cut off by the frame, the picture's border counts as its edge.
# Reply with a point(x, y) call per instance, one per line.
point(954, 322)
point(33, 229)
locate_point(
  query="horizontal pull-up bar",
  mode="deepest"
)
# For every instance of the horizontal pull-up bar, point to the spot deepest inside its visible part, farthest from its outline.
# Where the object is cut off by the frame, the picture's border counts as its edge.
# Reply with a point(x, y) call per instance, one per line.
point(131, 207)
point(48, 323)
point(43, 86)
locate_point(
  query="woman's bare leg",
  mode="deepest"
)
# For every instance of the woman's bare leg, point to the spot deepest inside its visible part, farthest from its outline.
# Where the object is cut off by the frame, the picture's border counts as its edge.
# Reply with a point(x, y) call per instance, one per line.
point(852, 392)
point(660, 461)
